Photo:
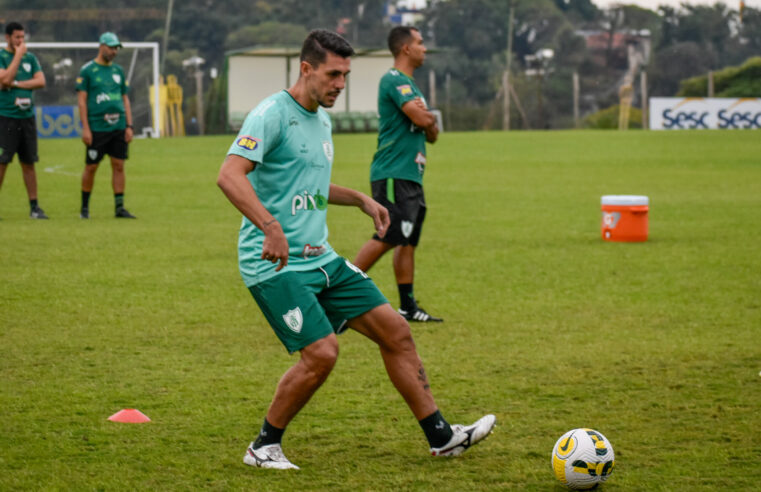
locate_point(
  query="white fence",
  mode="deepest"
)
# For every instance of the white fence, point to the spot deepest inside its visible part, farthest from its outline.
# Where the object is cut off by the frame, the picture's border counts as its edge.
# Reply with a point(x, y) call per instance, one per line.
point(687, 113)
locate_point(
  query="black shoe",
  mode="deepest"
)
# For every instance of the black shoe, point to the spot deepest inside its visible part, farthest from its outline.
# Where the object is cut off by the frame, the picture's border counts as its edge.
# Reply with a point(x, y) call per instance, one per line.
point(84, 213)
point(419, 315)
point(37, 213)
point(123, 213)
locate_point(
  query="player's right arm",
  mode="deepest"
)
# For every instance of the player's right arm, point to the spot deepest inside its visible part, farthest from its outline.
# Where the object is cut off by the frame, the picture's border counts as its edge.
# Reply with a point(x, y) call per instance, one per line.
point(82, 104)
point(416, 111)
point(8, 74)
point(237, 188)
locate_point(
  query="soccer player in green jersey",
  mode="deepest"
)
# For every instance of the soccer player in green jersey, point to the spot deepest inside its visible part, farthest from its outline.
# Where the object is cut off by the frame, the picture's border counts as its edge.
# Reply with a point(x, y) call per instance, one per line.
point(106, 116)
point(20, 74)
point(277, 173)
point(396, 174)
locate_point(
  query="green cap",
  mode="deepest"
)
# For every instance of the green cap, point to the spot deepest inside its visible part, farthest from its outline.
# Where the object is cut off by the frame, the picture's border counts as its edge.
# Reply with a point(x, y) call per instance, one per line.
point(110, 40)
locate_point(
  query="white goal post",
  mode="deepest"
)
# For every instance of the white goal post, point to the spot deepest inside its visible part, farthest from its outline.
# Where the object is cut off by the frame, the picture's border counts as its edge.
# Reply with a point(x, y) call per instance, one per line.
point(154, 47)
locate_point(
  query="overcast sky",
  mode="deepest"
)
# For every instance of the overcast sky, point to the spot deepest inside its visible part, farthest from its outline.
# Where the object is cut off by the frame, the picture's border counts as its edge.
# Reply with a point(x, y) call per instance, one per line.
point(653, 4)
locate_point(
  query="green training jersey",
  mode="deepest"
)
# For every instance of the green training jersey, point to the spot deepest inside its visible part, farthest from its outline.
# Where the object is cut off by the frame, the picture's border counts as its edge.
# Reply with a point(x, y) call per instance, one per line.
point(15, 102)
point(105, 85)
point(401, 144)
point(293, 152)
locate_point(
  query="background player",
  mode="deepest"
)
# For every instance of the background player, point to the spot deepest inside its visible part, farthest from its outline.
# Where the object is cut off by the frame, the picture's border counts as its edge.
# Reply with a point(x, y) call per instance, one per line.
point(396, 174)
point(106, 116)
point(277, 173)
point(20, 74)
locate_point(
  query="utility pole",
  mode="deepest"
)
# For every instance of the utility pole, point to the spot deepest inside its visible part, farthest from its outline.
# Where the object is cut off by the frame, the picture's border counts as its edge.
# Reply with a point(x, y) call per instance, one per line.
point(645, 101)
point(166, 34)
point(194, 64)
point(447, 89)
point(433, 103)
point(506, 75)
point(576, 94)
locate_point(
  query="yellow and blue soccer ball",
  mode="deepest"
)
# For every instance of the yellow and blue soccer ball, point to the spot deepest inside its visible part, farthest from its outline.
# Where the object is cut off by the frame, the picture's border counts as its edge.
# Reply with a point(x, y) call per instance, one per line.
point(582, 459)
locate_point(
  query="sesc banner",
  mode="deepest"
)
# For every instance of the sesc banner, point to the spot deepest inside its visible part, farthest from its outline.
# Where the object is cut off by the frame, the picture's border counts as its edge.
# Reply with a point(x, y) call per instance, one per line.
point(716, 113)
point(58, 122)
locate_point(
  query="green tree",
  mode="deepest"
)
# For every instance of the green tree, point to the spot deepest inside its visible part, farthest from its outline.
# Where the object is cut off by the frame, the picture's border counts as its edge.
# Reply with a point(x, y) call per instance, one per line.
point(676, 63)
point(742, 81)
point(584, 10)
point(268, 33)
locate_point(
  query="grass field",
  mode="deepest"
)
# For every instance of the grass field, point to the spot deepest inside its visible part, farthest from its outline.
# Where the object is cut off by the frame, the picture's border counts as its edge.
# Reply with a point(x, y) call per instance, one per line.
point(656, 344)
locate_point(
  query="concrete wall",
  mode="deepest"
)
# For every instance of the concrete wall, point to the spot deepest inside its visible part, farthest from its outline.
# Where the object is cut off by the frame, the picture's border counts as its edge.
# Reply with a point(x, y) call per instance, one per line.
point(254, 75)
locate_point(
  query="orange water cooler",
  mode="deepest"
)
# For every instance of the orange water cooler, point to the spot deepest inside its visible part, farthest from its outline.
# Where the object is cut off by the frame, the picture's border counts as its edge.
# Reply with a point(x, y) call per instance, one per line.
point(624, 218)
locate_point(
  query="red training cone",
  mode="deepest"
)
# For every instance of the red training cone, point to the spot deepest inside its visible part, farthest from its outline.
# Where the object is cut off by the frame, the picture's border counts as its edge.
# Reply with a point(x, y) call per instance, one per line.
point(129, 416)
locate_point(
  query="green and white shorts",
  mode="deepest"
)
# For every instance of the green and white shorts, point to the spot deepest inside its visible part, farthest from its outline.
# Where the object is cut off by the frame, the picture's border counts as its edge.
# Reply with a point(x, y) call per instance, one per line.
point(303, 307)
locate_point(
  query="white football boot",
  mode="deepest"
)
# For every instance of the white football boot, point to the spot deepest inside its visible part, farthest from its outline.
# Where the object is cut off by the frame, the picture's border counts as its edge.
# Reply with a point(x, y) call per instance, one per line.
point(466, 436)
point(269, 456)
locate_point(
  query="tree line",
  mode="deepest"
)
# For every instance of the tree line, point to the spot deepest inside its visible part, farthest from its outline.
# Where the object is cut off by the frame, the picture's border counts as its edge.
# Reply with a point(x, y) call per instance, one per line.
point(468, 40)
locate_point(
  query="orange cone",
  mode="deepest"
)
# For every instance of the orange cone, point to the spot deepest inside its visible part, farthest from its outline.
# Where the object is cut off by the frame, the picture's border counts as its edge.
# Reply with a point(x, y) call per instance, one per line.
point(129, 416)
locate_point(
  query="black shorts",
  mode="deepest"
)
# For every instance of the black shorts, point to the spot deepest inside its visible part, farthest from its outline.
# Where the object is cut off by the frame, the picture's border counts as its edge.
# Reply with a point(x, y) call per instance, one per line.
point(405, 202)
point(111, 143)
point(18, 136)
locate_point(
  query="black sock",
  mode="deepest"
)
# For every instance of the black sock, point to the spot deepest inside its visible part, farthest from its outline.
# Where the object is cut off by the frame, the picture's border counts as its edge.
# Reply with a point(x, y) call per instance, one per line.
point(268, 435)
point(33, 204)
point(437, 429)
point(85, 199)
point(119, 200)
point(406, 297)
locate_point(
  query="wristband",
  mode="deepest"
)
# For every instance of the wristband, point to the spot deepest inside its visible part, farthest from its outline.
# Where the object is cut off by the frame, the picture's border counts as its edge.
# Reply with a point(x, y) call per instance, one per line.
point(130, 127)
point(15, 83)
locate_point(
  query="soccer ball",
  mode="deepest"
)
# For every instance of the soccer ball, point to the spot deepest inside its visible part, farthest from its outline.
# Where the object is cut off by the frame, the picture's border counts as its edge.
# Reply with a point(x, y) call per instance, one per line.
point(582, 459)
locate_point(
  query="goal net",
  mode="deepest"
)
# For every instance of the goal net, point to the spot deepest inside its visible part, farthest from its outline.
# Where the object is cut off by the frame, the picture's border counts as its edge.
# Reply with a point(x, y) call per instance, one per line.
point(57, 112)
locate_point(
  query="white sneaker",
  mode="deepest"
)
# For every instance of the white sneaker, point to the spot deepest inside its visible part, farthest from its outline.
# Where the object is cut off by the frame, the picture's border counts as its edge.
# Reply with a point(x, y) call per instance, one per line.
point(465, 437)
point(270, 456)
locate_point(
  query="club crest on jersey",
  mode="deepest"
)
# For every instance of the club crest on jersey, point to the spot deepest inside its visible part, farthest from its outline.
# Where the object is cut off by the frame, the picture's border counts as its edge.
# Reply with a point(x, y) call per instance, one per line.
point(405, 89)
point(327, 147)
point(79, 80)
point(247, 142)
point(27, 67)
point(117, 78)
point(294, 319)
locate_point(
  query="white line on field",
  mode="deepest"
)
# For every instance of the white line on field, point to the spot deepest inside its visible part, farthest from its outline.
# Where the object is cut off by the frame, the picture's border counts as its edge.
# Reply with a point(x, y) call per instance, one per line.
point(56, 170)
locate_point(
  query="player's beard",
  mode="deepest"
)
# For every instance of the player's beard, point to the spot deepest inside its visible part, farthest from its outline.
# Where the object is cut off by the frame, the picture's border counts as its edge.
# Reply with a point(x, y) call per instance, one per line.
point(325, 104)
point(109, 57)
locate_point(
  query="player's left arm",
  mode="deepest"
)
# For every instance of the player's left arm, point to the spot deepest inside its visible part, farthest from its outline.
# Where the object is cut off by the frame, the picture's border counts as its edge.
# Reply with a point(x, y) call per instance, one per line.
point(340, 195)
point(431, 133)
point(128, 132)
point(36, 82)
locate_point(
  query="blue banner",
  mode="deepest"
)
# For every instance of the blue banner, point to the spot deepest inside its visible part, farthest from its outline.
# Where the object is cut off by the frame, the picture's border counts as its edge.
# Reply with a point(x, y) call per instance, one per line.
point(58, 122)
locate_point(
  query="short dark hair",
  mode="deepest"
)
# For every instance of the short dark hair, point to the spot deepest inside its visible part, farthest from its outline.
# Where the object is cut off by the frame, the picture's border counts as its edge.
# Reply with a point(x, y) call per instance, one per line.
point(13, 26)
point(319, 42)
point(398, 37)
